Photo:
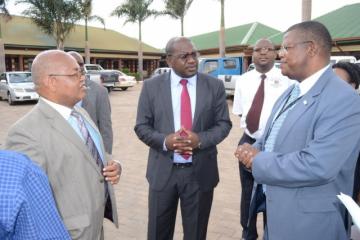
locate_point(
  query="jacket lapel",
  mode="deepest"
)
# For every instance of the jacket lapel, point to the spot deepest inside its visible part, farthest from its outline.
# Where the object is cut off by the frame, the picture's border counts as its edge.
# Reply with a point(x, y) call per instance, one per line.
point(60, 125)
point(201, 91)
point(301, 107)
point(165, 92)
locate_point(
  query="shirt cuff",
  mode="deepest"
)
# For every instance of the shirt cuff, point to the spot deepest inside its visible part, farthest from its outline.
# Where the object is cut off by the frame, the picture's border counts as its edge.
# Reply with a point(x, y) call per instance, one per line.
point(164, 146)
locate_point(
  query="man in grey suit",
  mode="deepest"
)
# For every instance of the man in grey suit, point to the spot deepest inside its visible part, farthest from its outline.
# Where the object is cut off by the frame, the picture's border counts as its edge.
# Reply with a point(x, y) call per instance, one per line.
point(303, 163)
point(182, 115)
point(75, 162)
point(97, 103)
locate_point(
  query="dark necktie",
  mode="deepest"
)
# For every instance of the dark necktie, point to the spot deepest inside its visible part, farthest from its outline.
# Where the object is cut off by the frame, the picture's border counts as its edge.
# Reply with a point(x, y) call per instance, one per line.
point(185, 111)
point(253, 116)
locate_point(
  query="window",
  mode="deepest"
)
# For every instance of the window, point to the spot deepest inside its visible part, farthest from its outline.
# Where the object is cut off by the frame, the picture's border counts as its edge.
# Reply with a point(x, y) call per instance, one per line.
point(210, 66)
point(229, 64)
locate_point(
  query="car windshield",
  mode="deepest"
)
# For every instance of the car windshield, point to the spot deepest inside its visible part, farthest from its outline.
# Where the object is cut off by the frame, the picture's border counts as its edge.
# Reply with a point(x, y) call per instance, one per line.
point(20, 77)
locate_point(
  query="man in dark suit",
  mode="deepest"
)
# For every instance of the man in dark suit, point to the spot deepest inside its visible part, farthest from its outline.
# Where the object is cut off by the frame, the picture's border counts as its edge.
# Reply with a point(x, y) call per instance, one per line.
point(182, 116)
point(97, 103)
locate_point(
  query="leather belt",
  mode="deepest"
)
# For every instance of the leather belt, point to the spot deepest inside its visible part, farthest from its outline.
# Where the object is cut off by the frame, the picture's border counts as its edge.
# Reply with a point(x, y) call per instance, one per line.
point(182, 165)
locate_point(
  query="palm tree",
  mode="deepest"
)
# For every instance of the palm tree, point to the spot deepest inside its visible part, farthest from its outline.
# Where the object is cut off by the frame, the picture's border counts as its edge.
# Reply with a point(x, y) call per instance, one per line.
point(55, 18)
point(86, 9)
point(306, 10)
point(222, 31)
point(135, 11)
point(3, 13)
point(177, 9)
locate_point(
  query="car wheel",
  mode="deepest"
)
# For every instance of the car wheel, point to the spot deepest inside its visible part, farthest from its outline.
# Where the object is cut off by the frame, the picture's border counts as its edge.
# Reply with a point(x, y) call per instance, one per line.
point(124, 88)
point(109, 89)
point(10, 101)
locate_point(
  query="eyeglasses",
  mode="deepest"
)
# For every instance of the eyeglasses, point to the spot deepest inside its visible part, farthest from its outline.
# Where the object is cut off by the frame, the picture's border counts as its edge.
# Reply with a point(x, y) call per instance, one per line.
point(285, 48)
point(78, 74)
point(264, 49)
point(185, 56)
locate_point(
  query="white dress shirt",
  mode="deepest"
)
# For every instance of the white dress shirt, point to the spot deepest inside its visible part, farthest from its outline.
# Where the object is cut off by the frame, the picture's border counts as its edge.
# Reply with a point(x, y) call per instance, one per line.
point(245, 89)
point(176, 89)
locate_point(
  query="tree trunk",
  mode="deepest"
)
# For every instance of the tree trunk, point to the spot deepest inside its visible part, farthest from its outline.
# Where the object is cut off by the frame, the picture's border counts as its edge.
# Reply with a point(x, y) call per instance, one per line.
point(306, 10)
point(140, 55)
point(2, 56)
point(182, 26)
point(2, 51)
point(87, 48)
point(222, 32)
point(87, 52)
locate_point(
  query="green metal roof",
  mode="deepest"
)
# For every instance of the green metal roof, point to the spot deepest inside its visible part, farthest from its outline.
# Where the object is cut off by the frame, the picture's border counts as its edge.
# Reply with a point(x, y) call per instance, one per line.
point(22, 31)
point(246, 34)
point(341, 23)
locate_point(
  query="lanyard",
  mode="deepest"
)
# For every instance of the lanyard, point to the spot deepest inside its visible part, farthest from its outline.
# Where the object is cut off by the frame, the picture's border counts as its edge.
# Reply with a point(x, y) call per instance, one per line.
point(284, 108)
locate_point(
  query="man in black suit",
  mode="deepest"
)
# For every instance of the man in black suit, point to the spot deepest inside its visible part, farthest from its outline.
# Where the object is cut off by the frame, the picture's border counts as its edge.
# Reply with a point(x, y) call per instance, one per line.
point(182, 116)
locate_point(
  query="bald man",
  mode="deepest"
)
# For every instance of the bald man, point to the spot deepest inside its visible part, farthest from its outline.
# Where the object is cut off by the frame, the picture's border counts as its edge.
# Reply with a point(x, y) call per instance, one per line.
point(96, 102)
point(62, 139)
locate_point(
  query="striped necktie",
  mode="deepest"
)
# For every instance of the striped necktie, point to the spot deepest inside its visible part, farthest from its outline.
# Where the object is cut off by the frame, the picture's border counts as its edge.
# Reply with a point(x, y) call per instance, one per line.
point(89, 142)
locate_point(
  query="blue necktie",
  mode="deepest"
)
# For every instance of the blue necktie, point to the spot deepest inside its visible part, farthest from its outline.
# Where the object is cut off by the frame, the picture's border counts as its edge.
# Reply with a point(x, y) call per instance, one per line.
point(279, 120)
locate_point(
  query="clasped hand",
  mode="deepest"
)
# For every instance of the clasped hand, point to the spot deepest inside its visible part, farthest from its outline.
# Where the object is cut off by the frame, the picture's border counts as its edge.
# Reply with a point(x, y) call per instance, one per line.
point(112, 172)
point(245, 153)
point(183, 141)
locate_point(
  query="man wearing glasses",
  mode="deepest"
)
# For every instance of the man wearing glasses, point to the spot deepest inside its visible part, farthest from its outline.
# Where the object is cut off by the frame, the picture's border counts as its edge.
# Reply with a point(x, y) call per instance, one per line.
point(310, 145)
point(61, 138)
point(255, 94)
point(182, 115)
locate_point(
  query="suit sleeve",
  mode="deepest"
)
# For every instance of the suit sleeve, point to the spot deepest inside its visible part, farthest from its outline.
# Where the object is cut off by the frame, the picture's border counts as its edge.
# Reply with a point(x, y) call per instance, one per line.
point(222, 124)
point(321, 159)
point(144, 127)
point(104, 116)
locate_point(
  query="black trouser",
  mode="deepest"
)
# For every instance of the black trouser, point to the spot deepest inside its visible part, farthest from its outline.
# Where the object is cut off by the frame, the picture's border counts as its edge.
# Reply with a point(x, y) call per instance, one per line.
point(247, 183)
point(195, 207)
point(356, 191)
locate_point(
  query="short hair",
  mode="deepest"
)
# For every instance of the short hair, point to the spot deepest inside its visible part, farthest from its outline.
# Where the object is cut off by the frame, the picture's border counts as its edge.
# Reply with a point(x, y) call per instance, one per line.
point(352, 70)
point(169, 49)
point(314, 31)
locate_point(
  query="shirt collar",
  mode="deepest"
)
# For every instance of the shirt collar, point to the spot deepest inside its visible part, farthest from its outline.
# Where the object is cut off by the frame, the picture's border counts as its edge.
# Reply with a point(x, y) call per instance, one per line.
point(64, 111)
point(309, 82)
point(175, 79)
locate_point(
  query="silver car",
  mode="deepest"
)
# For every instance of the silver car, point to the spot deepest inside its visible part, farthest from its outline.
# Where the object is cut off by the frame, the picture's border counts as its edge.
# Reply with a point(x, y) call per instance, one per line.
point(17, 87)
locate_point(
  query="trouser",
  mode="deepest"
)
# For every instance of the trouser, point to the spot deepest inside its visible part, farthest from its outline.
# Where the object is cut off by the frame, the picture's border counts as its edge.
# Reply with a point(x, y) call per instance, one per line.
point(247, 183)
point(195, 207)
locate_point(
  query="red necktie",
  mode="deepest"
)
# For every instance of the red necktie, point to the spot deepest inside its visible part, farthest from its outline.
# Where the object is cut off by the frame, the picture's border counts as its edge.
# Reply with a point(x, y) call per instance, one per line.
point(185, 111)
point(253, 116)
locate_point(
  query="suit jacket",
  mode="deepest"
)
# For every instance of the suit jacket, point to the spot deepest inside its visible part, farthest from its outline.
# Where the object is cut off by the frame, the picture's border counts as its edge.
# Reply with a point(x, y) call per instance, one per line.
point(313, 160)
point(76, 180)
point(97, 104)
point(155, 121)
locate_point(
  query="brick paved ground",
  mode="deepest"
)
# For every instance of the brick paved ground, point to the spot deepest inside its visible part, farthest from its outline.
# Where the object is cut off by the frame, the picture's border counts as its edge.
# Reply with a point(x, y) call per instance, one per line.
point(132, 190)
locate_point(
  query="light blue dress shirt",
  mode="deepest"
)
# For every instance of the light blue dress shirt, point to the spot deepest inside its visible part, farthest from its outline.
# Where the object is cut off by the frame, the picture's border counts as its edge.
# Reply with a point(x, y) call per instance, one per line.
point(93, 133)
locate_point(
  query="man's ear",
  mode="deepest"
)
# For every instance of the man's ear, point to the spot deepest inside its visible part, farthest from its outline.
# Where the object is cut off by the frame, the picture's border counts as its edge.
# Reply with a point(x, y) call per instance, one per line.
point(51, 83)
point(168, 61)
point(313, 49)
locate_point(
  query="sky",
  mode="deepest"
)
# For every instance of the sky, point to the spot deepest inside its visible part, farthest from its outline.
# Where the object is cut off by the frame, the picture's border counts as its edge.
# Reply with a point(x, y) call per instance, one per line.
point(204, 16)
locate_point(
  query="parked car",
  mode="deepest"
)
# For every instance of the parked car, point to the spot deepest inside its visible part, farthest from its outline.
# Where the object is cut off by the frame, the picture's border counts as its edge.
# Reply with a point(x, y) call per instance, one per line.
point(159, 71)
point(336, 59)
point(17, 87)
point(96, 73)
point(124, 81)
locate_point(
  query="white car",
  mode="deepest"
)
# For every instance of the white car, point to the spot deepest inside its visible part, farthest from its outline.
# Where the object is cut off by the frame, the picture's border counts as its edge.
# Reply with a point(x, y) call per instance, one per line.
point(124, 81)
point(17, 87)
point(161, 70)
